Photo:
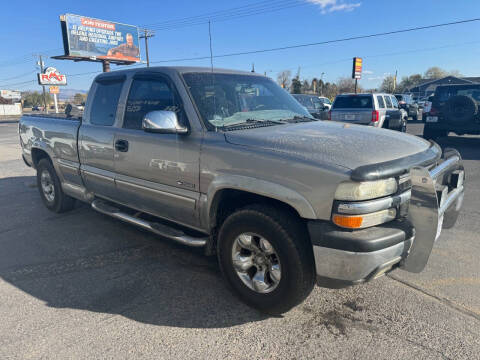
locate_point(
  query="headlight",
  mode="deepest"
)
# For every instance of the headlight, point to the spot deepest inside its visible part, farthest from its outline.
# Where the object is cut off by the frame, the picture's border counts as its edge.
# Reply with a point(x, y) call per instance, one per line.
point(357, 191)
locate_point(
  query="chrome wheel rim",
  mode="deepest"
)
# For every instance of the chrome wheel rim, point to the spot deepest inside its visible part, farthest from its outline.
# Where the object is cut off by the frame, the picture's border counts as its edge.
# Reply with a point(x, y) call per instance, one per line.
point(48, 187)
point(256, 262)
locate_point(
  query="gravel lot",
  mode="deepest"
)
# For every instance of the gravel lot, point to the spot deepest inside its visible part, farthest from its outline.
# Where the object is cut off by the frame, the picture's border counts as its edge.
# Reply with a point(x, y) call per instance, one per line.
point(82, 285)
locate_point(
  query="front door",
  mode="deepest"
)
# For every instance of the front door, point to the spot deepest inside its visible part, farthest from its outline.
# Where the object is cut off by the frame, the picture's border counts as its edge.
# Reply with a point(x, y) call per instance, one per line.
point(156, 173)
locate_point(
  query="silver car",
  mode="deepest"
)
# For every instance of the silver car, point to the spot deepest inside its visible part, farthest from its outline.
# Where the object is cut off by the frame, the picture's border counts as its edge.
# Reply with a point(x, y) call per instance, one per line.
point(378, 110)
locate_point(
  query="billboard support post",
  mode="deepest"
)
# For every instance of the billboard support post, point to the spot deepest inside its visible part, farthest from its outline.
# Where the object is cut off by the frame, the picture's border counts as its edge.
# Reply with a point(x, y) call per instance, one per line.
point(356, 85)
point(106, 66)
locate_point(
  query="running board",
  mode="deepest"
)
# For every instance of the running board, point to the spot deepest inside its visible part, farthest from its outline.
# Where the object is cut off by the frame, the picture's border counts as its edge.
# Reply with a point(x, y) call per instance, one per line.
point(157, 228)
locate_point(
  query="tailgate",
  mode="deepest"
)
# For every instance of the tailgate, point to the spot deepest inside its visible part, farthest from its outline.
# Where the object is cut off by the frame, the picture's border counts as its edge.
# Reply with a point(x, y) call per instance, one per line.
point(355, 116)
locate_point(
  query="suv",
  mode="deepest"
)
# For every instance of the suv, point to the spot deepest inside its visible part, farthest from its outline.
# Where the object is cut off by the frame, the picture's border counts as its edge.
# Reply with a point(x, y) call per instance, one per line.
point(406, 102)
point(379, 110)
point(454, 108)
point(313, 104)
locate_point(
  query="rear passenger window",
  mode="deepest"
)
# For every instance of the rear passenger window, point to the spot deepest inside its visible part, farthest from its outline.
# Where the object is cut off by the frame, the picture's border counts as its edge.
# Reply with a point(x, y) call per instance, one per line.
point(389, 102)
point(105, 101)
point(147, 95)
point(381, 102)
point(394, 102)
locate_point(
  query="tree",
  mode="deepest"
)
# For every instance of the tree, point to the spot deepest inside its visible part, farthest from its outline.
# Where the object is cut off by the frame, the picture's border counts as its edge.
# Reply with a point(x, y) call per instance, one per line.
point(296, 86)
point(330, 90)
point(409, 82)
point(283, 79)
point(34, 98)
point(306, 86)
point(435, 73)
point(347, 85)
point(79, 98)
point(388, 84)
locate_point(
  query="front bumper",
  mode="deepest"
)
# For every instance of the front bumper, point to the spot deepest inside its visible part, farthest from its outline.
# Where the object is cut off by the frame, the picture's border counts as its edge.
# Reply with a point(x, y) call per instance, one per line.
point(350, 257)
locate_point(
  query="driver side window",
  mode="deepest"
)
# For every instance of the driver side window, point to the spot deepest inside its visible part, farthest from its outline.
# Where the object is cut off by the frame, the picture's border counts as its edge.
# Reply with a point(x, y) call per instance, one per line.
point(148, 95)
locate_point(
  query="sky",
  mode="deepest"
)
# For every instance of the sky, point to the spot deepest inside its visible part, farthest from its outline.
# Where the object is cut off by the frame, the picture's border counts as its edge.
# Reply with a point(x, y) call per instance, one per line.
point(33, 27)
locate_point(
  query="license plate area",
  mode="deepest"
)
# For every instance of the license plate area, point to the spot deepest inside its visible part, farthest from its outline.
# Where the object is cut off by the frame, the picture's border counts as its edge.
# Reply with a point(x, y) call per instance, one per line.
point(432, 119)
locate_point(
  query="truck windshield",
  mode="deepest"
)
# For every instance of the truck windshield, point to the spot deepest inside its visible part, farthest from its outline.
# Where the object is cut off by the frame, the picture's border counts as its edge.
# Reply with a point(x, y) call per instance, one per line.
point(234, 100)
point(353, 102)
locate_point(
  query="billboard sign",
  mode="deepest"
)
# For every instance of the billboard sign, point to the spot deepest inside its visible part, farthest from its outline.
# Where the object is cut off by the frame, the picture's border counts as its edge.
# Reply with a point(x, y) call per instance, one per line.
point(51, 76)
point(54, 90)
point(10, 94)
point(357, 68)
point(94, 39)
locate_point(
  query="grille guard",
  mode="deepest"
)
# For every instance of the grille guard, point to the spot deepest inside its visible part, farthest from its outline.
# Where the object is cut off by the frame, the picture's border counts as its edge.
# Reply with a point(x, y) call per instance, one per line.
point(437, 196)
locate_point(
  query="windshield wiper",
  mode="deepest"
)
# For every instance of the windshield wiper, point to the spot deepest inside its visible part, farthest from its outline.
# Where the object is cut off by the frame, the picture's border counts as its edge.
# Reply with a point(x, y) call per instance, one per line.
point(303, 118)
point(250, 122)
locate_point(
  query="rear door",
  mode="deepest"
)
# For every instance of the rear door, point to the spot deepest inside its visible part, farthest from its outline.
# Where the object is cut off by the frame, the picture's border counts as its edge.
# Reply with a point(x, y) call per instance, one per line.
point(96, 136)
point(356, 109)
point(394, 115)
point(157, 173)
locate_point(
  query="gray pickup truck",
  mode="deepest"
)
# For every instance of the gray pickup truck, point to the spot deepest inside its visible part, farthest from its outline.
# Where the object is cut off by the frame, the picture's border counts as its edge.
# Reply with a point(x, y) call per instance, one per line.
point(230, 162)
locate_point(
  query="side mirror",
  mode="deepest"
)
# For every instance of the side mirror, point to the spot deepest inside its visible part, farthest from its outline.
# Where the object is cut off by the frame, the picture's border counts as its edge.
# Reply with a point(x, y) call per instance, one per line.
point(163, 122)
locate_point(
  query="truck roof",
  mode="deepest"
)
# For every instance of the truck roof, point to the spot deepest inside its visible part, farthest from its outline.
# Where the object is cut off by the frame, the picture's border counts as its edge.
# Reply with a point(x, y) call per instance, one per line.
point(174, 69)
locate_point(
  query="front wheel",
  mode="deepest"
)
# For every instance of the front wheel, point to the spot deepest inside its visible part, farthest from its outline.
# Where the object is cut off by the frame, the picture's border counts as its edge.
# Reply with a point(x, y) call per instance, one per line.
point(266, 257)
point(50, 188)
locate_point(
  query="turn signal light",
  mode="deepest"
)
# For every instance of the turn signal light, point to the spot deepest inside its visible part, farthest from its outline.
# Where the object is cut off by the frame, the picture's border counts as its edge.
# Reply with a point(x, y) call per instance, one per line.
point(351, 222)
point(364, 220)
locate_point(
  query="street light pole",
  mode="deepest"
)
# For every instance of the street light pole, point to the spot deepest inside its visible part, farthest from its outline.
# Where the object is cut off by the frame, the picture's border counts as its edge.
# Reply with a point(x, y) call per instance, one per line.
point(42, 69)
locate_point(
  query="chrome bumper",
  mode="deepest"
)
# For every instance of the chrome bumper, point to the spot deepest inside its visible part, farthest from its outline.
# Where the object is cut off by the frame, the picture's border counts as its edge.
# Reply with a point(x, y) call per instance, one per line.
point(436, 199)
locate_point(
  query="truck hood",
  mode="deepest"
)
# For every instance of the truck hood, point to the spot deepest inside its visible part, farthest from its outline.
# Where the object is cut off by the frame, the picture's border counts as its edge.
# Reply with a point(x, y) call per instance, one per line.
point(326, 142)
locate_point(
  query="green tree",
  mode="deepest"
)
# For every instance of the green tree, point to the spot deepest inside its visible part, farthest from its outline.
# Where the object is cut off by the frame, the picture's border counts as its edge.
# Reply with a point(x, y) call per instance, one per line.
point(296, 86)
point(79, 98)
point(35, 98)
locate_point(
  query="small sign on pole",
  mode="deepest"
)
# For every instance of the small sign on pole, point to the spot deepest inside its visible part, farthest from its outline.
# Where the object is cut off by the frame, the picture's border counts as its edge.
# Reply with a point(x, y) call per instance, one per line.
point(55, 90)
point(357, 70)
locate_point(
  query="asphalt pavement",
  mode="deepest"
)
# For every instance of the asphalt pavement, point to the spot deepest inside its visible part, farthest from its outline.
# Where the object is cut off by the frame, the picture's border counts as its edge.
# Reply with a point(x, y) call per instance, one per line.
point(82, 285)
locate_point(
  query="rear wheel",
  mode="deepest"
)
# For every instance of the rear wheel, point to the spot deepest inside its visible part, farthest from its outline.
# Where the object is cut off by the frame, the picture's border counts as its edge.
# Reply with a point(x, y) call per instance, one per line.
point(433, 134)
point(50, 188)
point(266, 258)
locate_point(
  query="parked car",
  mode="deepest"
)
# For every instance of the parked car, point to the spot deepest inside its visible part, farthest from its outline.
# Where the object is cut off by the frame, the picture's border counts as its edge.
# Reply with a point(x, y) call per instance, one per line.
point(326, 102)
point(406, 102)
point(454, 108)
point(37, 108)
point(230, 162)
point(313, 104)
point(378, 110)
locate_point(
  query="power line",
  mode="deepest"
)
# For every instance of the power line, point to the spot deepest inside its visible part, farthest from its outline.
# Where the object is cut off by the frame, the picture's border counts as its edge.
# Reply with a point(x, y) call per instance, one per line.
point(228, 14)
point(418, 28)
point(18, 76)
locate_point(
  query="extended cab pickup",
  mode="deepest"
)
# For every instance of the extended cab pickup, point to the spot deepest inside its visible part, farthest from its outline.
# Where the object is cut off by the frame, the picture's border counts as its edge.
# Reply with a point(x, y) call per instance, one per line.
point(229, 161)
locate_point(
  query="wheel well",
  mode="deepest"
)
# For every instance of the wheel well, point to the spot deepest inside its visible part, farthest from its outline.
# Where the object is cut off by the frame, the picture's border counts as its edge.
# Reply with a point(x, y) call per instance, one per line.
point(39, 154)
point(226, 201)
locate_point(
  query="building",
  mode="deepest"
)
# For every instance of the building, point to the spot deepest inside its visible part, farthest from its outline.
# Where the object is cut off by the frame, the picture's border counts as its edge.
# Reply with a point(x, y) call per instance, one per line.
point(427, 87)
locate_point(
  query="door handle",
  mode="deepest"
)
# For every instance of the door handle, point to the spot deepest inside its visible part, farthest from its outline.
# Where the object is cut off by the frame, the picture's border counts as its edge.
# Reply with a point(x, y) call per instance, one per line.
point(121, 145)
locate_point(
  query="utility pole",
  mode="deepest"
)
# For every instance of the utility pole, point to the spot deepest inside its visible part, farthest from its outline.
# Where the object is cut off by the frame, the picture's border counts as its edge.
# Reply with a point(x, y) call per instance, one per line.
point(253, 67)
point(42, 69)
point(147, 34)
point(321, 84)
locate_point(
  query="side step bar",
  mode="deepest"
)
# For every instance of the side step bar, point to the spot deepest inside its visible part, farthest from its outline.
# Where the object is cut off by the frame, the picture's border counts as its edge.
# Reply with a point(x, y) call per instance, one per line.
point(157, 228)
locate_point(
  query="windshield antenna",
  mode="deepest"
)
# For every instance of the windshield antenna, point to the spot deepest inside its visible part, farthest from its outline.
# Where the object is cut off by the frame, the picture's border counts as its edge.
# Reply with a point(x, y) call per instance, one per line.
point(211, 67)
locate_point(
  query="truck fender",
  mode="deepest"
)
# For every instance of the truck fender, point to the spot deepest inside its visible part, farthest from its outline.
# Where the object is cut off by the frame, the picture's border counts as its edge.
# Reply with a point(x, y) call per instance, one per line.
point(258, 187)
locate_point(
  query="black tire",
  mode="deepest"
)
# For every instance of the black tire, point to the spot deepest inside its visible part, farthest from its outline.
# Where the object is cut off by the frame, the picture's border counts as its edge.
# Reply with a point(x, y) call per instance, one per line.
point(433, 134)
point(288, 235)
point(403, 126)
point(460, 108)
point(60, 202)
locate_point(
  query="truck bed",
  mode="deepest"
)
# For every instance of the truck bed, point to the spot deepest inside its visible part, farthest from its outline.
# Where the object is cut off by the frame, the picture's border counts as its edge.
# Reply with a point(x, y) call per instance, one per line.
point(54, 134)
